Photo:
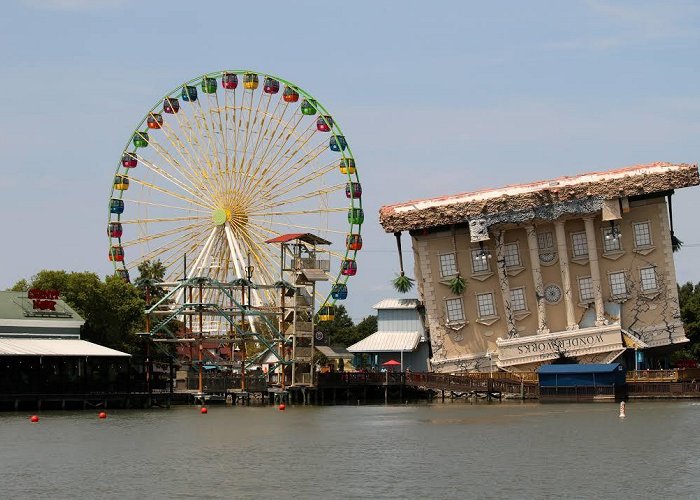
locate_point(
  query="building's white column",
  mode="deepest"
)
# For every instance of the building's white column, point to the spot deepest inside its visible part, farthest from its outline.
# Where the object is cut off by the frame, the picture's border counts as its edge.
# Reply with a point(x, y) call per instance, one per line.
point(503, 282)
point(595, 271)
point(537, 278)
point(565, 275)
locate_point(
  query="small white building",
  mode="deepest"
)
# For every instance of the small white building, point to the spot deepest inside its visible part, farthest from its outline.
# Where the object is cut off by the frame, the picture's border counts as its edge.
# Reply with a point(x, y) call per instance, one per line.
point(400, 335)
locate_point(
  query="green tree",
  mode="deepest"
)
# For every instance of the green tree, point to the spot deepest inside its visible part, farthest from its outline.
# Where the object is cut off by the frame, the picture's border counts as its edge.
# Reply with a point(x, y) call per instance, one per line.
point(150, 273)
point(340, 331)
point(366, 327)
point(689, 299)
point(112, 309)
point(21, 286)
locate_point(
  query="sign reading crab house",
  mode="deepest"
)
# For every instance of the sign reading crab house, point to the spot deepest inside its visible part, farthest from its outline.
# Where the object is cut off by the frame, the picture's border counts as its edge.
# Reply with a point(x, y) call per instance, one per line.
point(43, 300)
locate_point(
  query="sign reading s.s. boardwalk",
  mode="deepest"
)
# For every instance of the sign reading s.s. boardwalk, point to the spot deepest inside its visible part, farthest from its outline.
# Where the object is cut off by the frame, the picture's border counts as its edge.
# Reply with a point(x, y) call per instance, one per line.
point(533, 348)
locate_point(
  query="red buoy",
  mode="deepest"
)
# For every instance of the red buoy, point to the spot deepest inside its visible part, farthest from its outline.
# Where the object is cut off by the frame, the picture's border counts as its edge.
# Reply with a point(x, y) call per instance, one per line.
point(102, 414)
point(34, 418)
point(203, 410)
point(282, 407)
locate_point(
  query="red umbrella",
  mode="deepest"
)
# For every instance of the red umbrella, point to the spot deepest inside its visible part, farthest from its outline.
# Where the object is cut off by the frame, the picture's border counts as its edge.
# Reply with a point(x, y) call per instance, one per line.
point(391, 362)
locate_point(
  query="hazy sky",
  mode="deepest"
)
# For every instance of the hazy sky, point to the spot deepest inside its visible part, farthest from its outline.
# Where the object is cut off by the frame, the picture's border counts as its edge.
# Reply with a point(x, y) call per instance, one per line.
point(434, 97)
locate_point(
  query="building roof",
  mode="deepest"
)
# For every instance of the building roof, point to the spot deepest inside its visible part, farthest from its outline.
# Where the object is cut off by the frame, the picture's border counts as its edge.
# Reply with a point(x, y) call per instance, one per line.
point(309, 238)
point(334, 352)
point(397, 304)
point(387, 342)
point(586, 368)
point(630, 181)
point(54, 347)
point(16, 306)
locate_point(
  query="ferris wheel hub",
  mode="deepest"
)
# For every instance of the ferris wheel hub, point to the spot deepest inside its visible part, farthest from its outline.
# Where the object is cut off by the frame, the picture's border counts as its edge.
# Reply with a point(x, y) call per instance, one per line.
point(219, 216)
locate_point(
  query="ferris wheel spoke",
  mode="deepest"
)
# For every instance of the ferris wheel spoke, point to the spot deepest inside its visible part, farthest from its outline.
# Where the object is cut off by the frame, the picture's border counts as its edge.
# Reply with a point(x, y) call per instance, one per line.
point(207, 132)
point(196, 154)
point(250, 122)
point(169, 177)
point(162, 234)
point(191, 201)
point(292, 185)
point(299, 226)
point(299, 212)
point(280, 142)
point(279, 121)
point(295, 199)
point(297, 182)
point(280, 161)
point(172, 246)
point(164, 219)
point(246, 159)
point(164, 205)
point(191, 176)
point(222, 133)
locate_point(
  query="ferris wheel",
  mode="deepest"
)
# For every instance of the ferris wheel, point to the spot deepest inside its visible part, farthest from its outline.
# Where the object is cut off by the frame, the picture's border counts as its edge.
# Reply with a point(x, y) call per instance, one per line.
point(225, 162)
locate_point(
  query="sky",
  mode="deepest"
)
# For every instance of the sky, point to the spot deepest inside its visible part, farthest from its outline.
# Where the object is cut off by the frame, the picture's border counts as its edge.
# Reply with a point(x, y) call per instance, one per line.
point(435, 98)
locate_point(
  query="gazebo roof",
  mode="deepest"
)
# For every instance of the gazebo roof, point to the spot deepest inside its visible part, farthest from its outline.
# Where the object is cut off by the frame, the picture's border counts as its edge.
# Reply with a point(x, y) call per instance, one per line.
point(309, 238)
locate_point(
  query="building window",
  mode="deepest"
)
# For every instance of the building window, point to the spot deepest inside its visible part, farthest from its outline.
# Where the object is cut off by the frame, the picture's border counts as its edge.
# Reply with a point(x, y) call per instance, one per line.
point(647, 278)
point(618, 284)
point(545, 241)
point(517, 300)
point(611, 240)
point(448, 265)
point(585, 289)
point(511, 255)
point(642, 234)
point(545, 245)
point(579, 244)
point(455, 311)
point(480, 261)
point(484, 302)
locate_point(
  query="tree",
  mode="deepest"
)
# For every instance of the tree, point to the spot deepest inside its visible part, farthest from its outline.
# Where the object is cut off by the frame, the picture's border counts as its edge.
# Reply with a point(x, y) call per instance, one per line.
point(112, 309)
point(21, 286)
point(343, 332)
point(366, 327)
point(689, 299)
point(150, 273)
point(340, 331)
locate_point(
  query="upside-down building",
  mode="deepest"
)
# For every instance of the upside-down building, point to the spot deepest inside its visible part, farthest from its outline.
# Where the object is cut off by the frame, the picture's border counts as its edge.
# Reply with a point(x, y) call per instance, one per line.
point(575, 267)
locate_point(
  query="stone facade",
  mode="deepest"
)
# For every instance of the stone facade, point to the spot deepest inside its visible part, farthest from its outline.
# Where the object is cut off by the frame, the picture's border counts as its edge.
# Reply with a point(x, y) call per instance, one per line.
point(587, 274)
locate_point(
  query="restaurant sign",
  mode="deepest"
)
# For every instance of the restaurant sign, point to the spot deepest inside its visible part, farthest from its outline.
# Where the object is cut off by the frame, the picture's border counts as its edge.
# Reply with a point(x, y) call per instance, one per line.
point(43, 300)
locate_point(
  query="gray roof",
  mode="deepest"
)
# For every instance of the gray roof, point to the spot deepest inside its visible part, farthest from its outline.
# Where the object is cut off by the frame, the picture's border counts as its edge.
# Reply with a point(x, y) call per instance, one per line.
point(334, 352)
point(55, 347)
point(16, 306)
point(388, 342)
point(397, 304)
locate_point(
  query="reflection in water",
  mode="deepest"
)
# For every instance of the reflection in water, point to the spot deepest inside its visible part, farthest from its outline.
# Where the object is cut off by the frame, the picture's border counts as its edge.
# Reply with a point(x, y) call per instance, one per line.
point(446, 451)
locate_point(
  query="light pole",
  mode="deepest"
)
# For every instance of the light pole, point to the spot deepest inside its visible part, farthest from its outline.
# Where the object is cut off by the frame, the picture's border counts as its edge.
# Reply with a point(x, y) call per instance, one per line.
point(249, 275)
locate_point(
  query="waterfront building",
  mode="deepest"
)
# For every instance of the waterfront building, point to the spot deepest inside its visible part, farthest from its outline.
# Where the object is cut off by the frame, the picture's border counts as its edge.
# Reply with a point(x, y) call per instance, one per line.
point(575, 267)
point(401, 336)
point(41, 352)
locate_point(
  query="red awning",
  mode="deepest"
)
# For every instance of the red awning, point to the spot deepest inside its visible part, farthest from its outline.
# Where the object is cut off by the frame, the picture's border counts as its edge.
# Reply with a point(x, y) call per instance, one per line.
point(312, 239)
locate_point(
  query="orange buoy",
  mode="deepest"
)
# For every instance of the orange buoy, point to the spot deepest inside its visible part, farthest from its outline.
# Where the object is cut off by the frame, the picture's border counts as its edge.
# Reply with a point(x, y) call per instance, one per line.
point(203, 410)
point(282, 407)
point(34, 418)
point(102, 414)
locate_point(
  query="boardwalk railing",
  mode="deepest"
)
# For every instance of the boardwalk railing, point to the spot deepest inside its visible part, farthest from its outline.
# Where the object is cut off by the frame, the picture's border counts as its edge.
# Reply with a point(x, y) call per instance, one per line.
point(468, 382)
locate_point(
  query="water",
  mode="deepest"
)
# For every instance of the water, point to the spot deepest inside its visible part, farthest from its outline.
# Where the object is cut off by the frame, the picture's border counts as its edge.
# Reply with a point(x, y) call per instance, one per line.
point(457, 450)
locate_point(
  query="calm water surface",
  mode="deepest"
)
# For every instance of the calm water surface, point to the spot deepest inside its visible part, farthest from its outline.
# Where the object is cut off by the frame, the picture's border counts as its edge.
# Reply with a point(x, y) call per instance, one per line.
point(457, 450)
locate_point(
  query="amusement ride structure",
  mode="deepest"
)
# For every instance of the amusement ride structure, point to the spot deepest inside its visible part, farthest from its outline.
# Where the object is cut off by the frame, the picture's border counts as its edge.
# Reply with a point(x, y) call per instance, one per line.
point(241, 184)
